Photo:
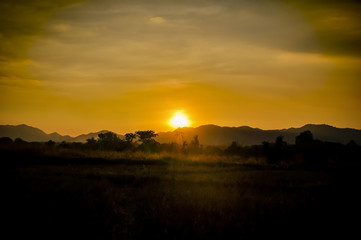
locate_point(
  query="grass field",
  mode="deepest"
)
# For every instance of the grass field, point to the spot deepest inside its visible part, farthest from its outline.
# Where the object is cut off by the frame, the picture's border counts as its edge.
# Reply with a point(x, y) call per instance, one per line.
point(173, 199)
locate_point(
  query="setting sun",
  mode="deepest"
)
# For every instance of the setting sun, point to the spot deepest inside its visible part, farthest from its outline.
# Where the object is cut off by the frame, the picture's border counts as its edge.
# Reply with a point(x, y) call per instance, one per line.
point(179, 120)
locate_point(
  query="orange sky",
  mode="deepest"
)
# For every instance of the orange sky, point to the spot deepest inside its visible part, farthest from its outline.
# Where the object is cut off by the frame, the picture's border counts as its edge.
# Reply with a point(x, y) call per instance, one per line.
point(74, 66)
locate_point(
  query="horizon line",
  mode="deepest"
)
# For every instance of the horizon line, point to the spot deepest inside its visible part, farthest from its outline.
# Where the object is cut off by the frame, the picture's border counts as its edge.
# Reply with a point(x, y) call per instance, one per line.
point(221, 126)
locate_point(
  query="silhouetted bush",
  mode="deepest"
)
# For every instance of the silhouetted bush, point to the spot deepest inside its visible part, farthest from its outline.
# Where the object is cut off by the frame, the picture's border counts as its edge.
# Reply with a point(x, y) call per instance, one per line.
point(146, 136)
point(151, 146)
point(234, 149)
point(305, 139)
point(212, 150)
point(20, 141)
point(129, 137)
point(6, 140)
point(307, 150)
point(194, 146)
point(50, 143)
point(108, 141)
point(169, 147)
point(91, 143)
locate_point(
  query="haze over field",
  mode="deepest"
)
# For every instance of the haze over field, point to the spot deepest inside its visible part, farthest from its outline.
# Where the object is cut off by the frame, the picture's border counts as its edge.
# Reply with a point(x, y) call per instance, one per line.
point(74, 66)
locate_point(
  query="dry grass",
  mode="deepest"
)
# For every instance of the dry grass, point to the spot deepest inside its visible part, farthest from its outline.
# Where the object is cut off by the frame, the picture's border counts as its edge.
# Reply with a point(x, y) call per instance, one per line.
point(167, 196)
point(67, 153)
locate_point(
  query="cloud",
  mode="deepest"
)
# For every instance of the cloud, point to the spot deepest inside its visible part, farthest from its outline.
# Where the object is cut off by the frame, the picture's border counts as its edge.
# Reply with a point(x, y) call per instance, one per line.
point(156, 20)
point(288, 55)
point(20, 23)
point(235, 46)
point(337, 24)
point(61, 27)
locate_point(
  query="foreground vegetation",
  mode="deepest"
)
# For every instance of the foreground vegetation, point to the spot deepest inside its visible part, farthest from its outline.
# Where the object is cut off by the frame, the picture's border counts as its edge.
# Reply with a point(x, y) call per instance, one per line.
point(141, 145)
point(53, 191)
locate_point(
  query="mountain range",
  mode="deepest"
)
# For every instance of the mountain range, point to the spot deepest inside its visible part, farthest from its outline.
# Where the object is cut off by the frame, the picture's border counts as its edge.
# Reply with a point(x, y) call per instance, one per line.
point(207, 134)
point(32, 134)
point(216, 135)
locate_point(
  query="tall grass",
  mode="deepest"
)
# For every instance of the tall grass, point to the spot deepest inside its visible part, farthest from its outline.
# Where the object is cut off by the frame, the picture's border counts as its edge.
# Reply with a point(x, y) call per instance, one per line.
point(176, 200)
point(42, 150)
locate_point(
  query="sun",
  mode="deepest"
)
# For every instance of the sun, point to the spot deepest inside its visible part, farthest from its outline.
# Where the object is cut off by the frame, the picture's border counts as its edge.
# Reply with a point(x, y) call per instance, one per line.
point(179, 119)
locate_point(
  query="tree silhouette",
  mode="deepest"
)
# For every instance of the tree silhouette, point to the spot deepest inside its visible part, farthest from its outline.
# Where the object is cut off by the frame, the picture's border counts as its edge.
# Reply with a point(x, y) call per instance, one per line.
point(19, 141)
point(64, 144)
point(279, 142)
point(195, 142)
point(194, 146)
point(109, 141)
point(129, 137)
point(146, 136)
point(148, 143)
point(304, 139)
point(91, 143)
point(179, 136)
point(6, 140)
point(234, 149)
point(50, 143)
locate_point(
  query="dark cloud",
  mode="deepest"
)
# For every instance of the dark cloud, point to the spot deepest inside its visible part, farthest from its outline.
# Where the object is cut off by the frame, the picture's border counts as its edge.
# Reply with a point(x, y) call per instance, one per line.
point(20, 20)
point(258, 44)
point(336, 23)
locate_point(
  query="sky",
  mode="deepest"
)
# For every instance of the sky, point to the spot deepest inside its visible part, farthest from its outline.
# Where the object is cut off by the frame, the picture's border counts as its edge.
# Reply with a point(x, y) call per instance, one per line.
point(77, 66)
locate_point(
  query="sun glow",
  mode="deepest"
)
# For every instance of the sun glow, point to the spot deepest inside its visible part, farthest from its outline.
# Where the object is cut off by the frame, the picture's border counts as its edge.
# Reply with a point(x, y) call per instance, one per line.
point(179, 120)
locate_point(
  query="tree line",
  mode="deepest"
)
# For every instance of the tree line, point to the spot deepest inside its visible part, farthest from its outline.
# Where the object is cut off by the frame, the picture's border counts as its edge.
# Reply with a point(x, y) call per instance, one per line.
point(306, 149)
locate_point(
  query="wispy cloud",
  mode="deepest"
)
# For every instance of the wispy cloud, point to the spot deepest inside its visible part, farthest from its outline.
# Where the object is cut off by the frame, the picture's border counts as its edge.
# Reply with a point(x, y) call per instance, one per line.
point(237, 43)
point(263, 51)
point(157, 20)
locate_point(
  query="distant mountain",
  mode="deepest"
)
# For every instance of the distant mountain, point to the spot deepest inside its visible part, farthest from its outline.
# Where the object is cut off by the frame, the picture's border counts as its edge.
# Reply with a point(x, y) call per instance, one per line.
point(32, 134)
point(25, 132)
point(216, 135)
point(84, 137)
point(56, 137)
point(207, 134)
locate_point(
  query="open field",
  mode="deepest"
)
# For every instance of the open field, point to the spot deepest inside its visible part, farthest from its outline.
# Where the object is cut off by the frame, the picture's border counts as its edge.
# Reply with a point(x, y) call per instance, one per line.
point(93, 198)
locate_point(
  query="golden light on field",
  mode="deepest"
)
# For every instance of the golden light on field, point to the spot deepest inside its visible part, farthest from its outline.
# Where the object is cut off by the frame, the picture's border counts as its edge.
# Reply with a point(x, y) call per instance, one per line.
point(179, 119)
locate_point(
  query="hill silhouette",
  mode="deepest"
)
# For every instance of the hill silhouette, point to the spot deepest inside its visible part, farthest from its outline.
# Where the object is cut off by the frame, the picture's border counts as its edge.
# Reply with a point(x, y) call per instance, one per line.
point(216, 135)
point(32, 134)
point(208, 134)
